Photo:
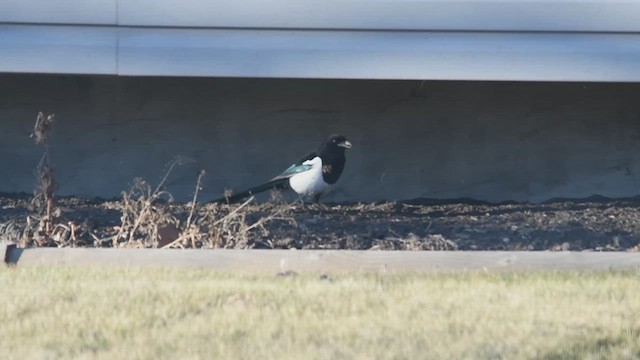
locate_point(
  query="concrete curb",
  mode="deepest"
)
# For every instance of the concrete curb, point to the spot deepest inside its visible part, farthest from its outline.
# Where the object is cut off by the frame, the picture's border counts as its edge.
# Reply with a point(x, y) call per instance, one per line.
point(323, 260)
point(4, 251)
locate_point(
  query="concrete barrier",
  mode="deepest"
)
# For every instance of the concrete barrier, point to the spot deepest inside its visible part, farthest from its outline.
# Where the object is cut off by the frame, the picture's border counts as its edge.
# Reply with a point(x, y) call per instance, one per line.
point(4, 252)
point(447, 140)
point(323, 260)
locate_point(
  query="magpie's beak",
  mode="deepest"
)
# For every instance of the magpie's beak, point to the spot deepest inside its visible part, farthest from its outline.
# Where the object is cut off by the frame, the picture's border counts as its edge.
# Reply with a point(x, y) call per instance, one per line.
point(345, 144)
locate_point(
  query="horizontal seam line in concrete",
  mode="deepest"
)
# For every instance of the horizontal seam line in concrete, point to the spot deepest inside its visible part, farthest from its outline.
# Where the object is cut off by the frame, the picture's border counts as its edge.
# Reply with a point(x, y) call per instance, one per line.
point(327, 29)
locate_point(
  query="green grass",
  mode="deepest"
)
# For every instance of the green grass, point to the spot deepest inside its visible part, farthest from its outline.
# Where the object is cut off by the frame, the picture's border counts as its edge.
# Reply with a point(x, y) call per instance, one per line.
point(129, 313)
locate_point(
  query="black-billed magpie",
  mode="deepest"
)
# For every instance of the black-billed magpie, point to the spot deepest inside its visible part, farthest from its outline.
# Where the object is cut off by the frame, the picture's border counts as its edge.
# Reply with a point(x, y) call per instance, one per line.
point(310, 177)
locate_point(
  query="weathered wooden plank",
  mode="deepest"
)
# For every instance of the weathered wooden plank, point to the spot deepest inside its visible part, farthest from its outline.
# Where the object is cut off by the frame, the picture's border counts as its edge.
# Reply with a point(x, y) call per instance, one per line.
point(326, 260)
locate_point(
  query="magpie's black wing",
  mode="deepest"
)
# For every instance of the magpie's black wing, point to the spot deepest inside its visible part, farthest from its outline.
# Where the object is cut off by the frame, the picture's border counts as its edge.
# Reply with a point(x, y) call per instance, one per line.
point(296, 168)
point(278, 182)
point(309, 156)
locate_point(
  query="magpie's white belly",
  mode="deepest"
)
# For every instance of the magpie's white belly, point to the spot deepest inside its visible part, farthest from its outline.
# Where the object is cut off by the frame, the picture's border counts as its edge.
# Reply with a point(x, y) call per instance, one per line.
point(310, 182)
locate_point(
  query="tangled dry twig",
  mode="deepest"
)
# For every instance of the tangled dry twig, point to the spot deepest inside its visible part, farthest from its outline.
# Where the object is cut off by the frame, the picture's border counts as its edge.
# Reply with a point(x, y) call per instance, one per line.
point(42, 231)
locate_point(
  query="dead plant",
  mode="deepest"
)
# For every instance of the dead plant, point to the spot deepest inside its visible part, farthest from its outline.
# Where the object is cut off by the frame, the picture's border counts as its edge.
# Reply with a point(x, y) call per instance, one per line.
point(191, 233)
point(41, 230)
point(228, 226)
point(45, 183)
point(144, 213)
point(231, 227)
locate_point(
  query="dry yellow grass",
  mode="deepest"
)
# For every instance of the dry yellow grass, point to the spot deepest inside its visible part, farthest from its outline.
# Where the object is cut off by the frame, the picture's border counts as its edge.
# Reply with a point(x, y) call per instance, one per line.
point(49, 313)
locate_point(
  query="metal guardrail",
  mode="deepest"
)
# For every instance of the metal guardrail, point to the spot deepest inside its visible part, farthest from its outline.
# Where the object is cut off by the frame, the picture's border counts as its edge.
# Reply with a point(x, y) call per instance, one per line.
point(322, 260)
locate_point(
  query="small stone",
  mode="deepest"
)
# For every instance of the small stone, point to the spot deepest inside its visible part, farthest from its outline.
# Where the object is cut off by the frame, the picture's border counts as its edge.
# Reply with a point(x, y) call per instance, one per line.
point(287, 273)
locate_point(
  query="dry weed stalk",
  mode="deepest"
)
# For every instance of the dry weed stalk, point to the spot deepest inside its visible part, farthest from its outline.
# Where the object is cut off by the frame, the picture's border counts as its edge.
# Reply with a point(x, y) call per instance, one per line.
point(233, 230)
point(142, 214)
point(147, 222)
point(230, 226)
point(191, 231)
point(44, 193)
point(223, 226)
point(46, 184)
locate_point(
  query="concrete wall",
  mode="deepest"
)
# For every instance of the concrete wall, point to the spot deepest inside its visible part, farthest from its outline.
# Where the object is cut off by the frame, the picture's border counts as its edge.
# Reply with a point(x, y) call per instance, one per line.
point(486, 140)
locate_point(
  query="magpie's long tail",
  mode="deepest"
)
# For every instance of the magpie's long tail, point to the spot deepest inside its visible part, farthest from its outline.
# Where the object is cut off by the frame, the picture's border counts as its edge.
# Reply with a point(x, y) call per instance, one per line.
point(235, 197)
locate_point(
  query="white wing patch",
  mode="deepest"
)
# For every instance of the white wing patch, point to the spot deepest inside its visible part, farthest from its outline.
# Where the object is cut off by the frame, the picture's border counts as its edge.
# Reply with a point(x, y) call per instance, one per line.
point(310, 182)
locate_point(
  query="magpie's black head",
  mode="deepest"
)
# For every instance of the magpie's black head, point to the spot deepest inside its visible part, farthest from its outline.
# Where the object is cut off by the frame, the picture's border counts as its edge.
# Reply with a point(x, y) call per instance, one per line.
point(336, 143)
point(332, 154)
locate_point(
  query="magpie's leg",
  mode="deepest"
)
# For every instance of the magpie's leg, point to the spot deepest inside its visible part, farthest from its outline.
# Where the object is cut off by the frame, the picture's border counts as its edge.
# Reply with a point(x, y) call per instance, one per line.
point(321, 207)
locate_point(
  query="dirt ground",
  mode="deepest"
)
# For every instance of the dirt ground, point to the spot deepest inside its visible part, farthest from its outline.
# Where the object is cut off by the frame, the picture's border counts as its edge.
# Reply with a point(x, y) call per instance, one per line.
point(594, 224)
